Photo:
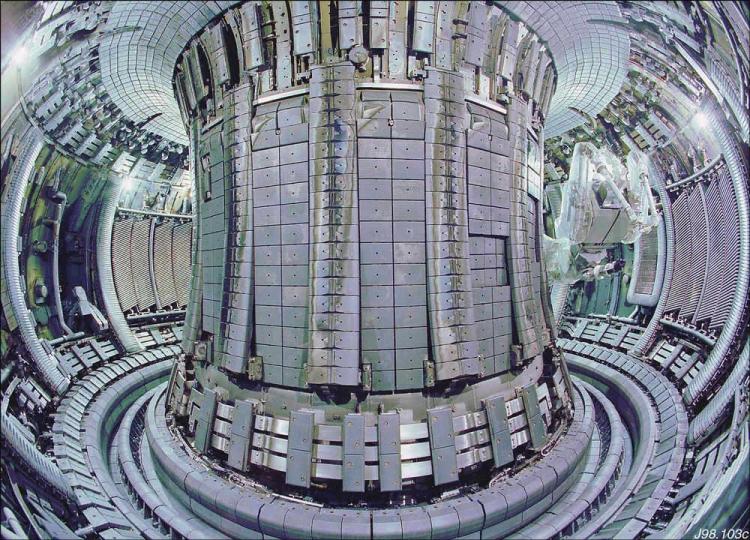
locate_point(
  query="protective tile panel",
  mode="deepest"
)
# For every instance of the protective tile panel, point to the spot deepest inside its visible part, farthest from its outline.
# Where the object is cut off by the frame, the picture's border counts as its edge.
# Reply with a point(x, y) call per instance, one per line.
point(141, 258)
point(389, 451)
point(537, 428)
point(492, 305)
point(445, 27)
point(497, 419)
point(424, 26)
point(392, 196)
point(379, 24)
point(299, 449)
point(376, 256)
point(238, 297)
point(137, 65)
point(478, 34)
point(163, 264)
point(280, 197)
point(451, 311)
point(205, 421)
point(240, 436)
point(387, 523)
point(442, 445)
point(527, 308)
point(488, 170)
point(353, 468)
point(334, 232)
point(121, 265)
point(211, 183)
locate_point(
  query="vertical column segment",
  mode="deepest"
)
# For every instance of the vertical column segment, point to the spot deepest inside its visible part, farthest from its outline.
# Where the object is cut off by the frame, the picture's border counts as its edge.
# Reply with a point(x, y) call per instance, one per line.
point(237, 309)
point(450, 301)
point(527, 309)
point(334, 229)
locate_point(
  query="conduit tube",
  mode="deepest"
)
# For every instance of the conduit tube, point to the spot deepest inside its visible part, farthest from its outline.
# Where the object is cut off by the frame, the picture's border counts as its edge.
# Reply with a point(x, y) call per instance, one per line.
point(119, 325)
point(707, 420)
point(62, 200)
point(718, 355)
point(647, 338)
point(35, 460)
point(193, 314)
point(20, 176)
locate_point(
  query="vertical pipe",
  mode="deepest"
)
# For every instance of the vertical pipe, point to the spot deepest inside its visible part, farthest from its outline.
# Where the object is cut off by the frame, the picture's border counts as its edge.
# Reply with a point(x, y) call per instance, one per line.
point(62, 200)
point(732, 327)
point(12, 211)
point(647, 338)
point(119, 326)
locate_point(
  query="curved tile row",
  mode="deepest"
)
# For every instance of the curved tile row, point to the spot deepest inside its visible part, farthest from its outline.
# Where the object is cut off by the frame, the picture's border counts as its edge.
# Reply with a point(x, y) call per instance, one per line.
point(83, 425)
point(660, 424)
point(165, 519)
point(246, 511)
point(607, 466)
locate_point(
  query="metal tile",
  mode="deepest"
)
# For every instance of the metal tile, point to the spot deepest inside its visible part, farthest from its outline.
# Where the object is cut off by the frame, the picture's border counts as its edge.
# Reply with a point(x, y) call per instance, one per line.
point(408, 359)
point(205, 421)
point(497, 419)
point(375, 188)
point(444, 467)
point(411, 316)
point(409, 379)
point(379, 253)
point(377, 339)
point(537, 428)
point(377, 317)
point(440, 426)
point(376, 274)
point(298, 465)
point(240, 436)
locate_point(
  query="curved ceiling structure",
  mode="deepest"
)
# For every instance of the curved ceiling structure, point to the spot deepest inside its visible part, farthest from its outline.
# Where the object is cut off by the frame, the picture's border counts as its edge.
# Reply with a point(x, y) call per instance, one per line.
point(590, 47)
point(368, 269)
point(138, 51)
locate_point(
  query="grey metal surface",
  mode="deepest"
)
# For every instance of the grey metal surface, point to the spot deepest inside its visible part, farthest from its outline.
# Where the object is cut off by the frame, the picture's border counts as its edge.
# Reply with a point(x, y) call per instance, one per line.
point(386, 230)
point(14, 193)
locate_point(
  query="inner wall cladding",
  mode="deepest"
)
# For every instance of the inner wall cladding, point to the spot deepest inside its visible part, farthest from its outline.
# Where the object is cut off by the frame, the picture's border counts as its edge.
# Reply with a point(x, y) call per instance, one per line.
point(337, 248)
point(142, 248)
point(351, 235)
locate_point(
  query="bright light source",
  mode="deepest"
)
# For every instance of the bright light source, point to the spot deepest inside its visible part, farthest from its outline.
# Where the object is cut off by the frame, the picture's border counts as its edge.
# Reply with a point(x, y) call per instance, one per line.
point(127, 183)
point(701, 120)
point(19, 55)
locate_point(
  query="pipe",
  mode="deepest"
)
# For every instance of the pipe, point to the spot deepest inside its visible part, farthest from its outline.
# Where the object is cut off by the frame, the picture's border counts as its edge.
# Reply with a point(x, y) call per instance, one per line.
point(10, 535)
point(110, 196)
point(695, 176)
point(160, 315)
point(614, 298)
point(62, 199)
point(65, 339)
point(5, 372)
point(616, 318)
point(151, 268)
point(154, 213)
point(33, 458)
point(689, 331)
point(707, 420)
point(647, 338)
point(20, 176)
point(12, 521)
point(738, 171)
